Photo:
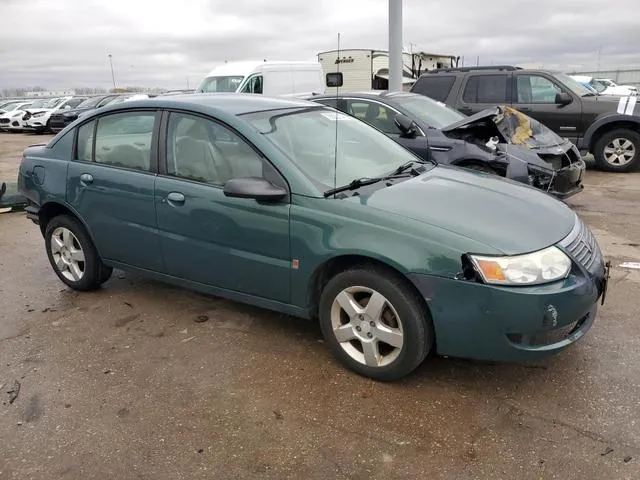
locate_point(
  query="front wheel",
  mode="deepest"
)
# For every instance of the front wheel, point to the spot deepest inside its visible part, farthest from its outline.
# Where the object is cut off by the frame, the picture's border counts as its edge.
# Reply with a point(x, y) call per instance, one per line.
point(73, 255)
point(618, 150)
point(374, 323)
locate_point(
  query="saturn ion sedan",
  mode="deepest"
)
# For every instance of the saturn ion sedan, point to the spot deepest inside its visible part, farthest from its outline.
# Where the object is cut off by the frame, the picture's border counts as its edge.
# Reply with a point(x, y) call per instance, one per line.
point(296, 207)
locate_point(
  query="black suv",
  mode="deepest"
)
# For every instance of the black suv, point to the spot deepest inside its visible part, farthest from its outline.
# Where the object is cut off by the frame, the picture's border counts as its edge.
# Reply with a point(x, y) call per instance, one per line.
point(603, 125)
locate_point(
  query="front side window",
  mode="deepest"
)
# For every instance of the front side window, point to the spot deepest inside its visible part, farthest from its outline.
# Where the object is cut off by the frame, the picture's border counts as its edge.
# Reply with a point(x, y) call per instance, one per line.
point(536, 89)
point(486, 89)
point(253, 85)
point(375, 114)
point(84, 149)
point(124, 140)
point(202, 150)
point(330, 148)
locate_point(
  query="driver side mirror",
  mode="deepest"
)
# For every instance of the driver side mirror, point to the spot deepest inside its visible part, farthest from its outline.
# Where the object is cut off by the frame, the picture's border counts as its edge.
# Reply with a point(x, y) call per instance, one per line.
point(407, 126)
point(256, 188)
point(563, 98)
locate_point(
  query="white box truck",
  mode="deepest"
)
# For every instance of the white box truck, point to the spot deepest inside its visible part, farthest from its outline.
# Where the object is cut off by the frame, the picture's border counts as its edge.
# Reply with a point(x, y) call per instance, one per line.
point(289, 79)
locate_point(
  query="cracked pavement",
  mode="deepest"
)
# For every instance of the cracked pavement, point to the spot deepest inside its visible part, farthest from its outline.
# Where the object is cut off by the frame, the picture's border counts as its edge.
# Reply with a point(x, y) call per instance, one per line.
point(129, 382)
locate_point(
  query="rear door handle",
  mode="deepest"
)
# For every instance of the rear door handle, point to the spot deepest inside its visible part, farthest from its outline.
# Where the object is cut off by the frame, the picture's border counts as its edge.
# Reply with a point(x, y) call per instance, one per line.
point(86, 178)
point(175, 197)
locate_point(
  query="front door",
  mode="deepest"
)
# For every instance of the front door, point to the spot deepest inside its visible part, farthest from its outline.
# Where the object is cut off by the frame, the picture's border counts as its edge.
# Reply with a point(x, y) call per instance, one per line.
point(232, 243)
point(110, 184)
point(535, 95)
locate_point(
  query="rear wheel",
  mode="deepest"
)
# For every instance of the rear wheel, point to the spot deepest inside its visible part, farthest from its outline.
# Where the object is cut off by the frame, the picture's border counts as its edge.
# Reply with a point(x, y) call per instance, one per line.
point(374, 323)
point(618, 150)
point(73, 255)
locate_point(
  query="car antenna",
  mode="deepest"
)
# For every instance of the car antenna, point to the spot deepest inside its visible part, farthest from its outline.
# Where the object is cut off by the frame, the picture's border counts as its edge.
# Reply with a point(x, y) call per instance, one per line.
point(335, 152)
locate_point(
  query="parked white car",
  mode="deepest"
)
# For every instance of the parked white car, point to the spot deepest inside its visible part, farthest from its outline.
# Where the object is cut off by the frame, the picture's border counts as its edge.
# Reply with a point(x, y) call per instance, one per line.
point(37, 118)
point(613, 86)
point(605, 86)
point(11, 119)
point(5, 104)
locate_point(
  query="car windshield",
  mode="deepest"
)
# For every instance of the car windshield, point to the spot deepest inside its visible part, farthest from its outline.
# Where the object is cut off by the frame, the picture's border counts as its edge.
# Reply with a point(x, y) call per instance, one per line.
point(308, 137)
point(10, 107)
point(40, 103)
point(598, 86)
point(573, 85)
point(221, 84)
point(90, 102)
point(433, 113)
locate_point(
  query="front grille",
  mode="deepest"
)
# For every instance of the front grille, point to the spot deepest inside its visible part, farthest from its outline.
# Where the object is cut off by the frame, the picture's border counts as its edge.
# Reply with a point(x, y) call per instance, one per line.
point(4, 120)
point(582, 246)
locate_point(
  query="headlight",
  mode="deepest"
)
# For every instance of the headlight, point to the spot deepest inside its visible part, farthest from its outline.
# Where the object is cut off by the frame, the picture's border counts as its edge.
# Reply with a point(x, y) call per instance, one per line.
point(544, 266)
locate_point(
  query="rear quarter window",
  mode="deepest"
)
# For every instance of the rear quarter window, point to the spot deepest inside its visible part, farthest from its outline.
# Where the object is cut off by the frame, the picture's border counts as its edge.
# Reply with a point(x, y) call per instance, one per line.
point(485, 89)
point(436, 86)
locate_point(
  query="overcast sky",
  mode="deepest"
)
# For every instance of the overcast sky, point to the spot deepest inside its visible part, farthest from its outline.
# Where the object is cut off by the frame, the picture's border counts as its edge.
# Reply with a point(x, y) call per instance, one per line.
point(65, 43)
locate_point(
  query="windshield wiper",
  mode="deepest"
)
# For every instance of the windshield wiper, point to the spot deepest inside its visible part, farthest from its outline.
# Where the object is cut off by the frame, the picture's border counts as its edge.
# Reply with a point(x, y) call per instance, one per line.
point(364, 181)
point(357, 183)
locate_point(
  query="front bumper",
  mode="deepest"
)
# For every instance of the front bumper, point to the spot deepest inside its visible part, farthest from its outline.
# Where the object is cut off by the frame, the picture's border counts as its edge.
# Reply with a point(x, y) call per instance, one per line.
point(35, 124)
point(506, 324)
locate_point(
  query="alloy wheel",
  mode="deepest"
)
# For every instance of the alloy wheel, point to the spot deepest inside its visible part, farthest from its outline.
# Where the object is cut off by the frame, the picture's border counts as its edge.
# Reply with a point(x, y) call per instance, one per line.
point(367, 326)
point(620, 151)
point(67, 253)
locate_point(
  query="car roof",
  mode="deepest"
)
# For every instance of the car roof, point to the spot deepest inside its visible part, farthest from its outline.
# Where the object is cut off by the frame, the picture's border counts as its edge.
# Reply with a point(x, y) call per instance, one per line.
point(233, 103)
point(370, 94)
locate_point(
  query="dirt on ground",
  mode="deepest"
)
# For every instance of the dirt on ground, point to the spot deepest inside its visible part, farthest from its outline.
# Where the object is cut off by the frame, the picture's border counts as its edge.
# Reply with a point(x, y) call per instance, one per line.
point(140, 380)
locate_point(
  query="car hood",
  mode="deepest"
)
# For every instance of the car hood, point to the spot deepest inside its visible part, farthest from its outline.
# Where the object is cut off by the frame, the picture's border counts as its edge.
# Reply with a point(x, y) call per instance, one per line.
point(502, 214)
point(515, 127)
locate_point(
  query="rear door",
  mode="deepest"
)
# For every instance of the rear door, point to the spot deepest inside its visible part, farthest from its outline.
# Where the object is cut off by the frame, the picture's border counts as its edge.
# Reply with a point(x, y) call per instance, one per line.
point(484, 90)
point(535, 95)
point(110, 184)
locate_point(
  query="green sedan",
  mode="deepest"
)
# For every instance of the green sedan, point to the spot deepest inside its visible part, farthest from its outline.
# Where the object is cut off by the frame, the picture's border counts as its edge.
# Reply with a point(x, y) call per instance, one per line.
point(295, 207)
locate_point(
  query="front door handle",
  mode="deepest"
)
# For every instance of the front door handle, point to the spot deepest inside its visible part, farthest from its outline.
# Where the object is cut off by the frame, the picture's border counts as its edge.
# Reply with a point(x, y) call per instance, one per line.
point(86, 178)
point(175, 197)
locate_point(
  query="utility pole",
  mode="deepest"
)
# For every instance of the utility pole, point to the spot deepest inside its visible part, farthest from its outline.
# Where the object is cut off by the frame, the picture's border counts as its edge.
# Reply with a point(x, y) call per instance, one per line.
point(113, 78)
point(395, 45)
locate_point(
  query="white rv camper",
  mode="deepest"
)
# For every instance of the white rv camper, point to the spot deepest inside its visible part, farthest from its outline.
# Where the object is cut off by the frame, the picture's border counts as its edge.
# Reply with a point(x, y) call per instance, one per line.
point(267, 78)
point(364, 70)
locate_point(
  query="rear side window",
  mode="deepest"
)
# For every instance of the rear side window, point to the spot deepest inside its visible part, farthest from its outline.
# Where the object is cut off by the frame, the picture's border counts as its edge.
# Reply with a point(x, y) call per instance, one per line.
point(124, 140)
point(486, 89)
point(85, 142)
point(435, 86)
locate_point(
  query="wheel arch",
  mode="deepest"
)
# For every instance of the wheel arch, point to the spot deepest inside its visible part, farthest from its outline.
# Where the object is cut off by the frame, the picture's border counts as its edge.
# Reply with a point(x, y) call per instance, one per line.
point(600, 128)
point(53, 209)
point(335, 265)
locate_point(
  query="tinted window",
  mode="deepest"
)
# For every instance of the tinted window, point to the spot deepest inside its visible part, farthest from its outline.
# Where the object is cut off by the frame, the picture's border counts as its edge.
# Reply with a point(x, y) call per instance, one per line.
point(124, 140)
point(435, 86)
point(536, 89)
point(205, 151)
point(85, 142)
point(374, 114)
point(73, 103)
point(486, 89)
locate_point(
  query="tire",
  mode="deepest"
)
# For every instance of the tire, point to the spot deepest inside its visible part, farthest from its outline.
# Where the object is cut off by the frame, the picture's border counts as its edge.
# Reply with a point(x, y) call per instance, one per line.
point(411, 337)
point(618, 150)
point(66, 242)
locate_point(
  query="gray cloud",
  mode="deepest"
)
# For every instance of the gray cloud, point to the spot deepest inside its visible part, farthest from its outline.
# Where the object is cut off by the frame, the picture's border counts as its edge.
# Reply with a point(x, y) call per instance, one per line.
point(65, 43)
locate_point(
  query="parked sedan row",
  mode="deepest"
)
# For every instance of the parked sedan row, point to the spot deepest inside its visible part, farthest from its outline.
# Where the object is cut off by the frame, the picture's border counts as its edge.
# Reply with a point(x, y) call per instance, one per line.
point(53, 114)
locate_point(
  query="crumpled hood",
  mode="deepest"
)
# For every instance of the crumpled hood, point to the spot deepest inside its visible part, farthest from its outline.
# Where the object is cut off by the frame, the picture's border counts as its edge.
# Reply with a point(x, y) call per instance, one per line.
point(502, 214)
point(38, 110)
point(515, 127)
